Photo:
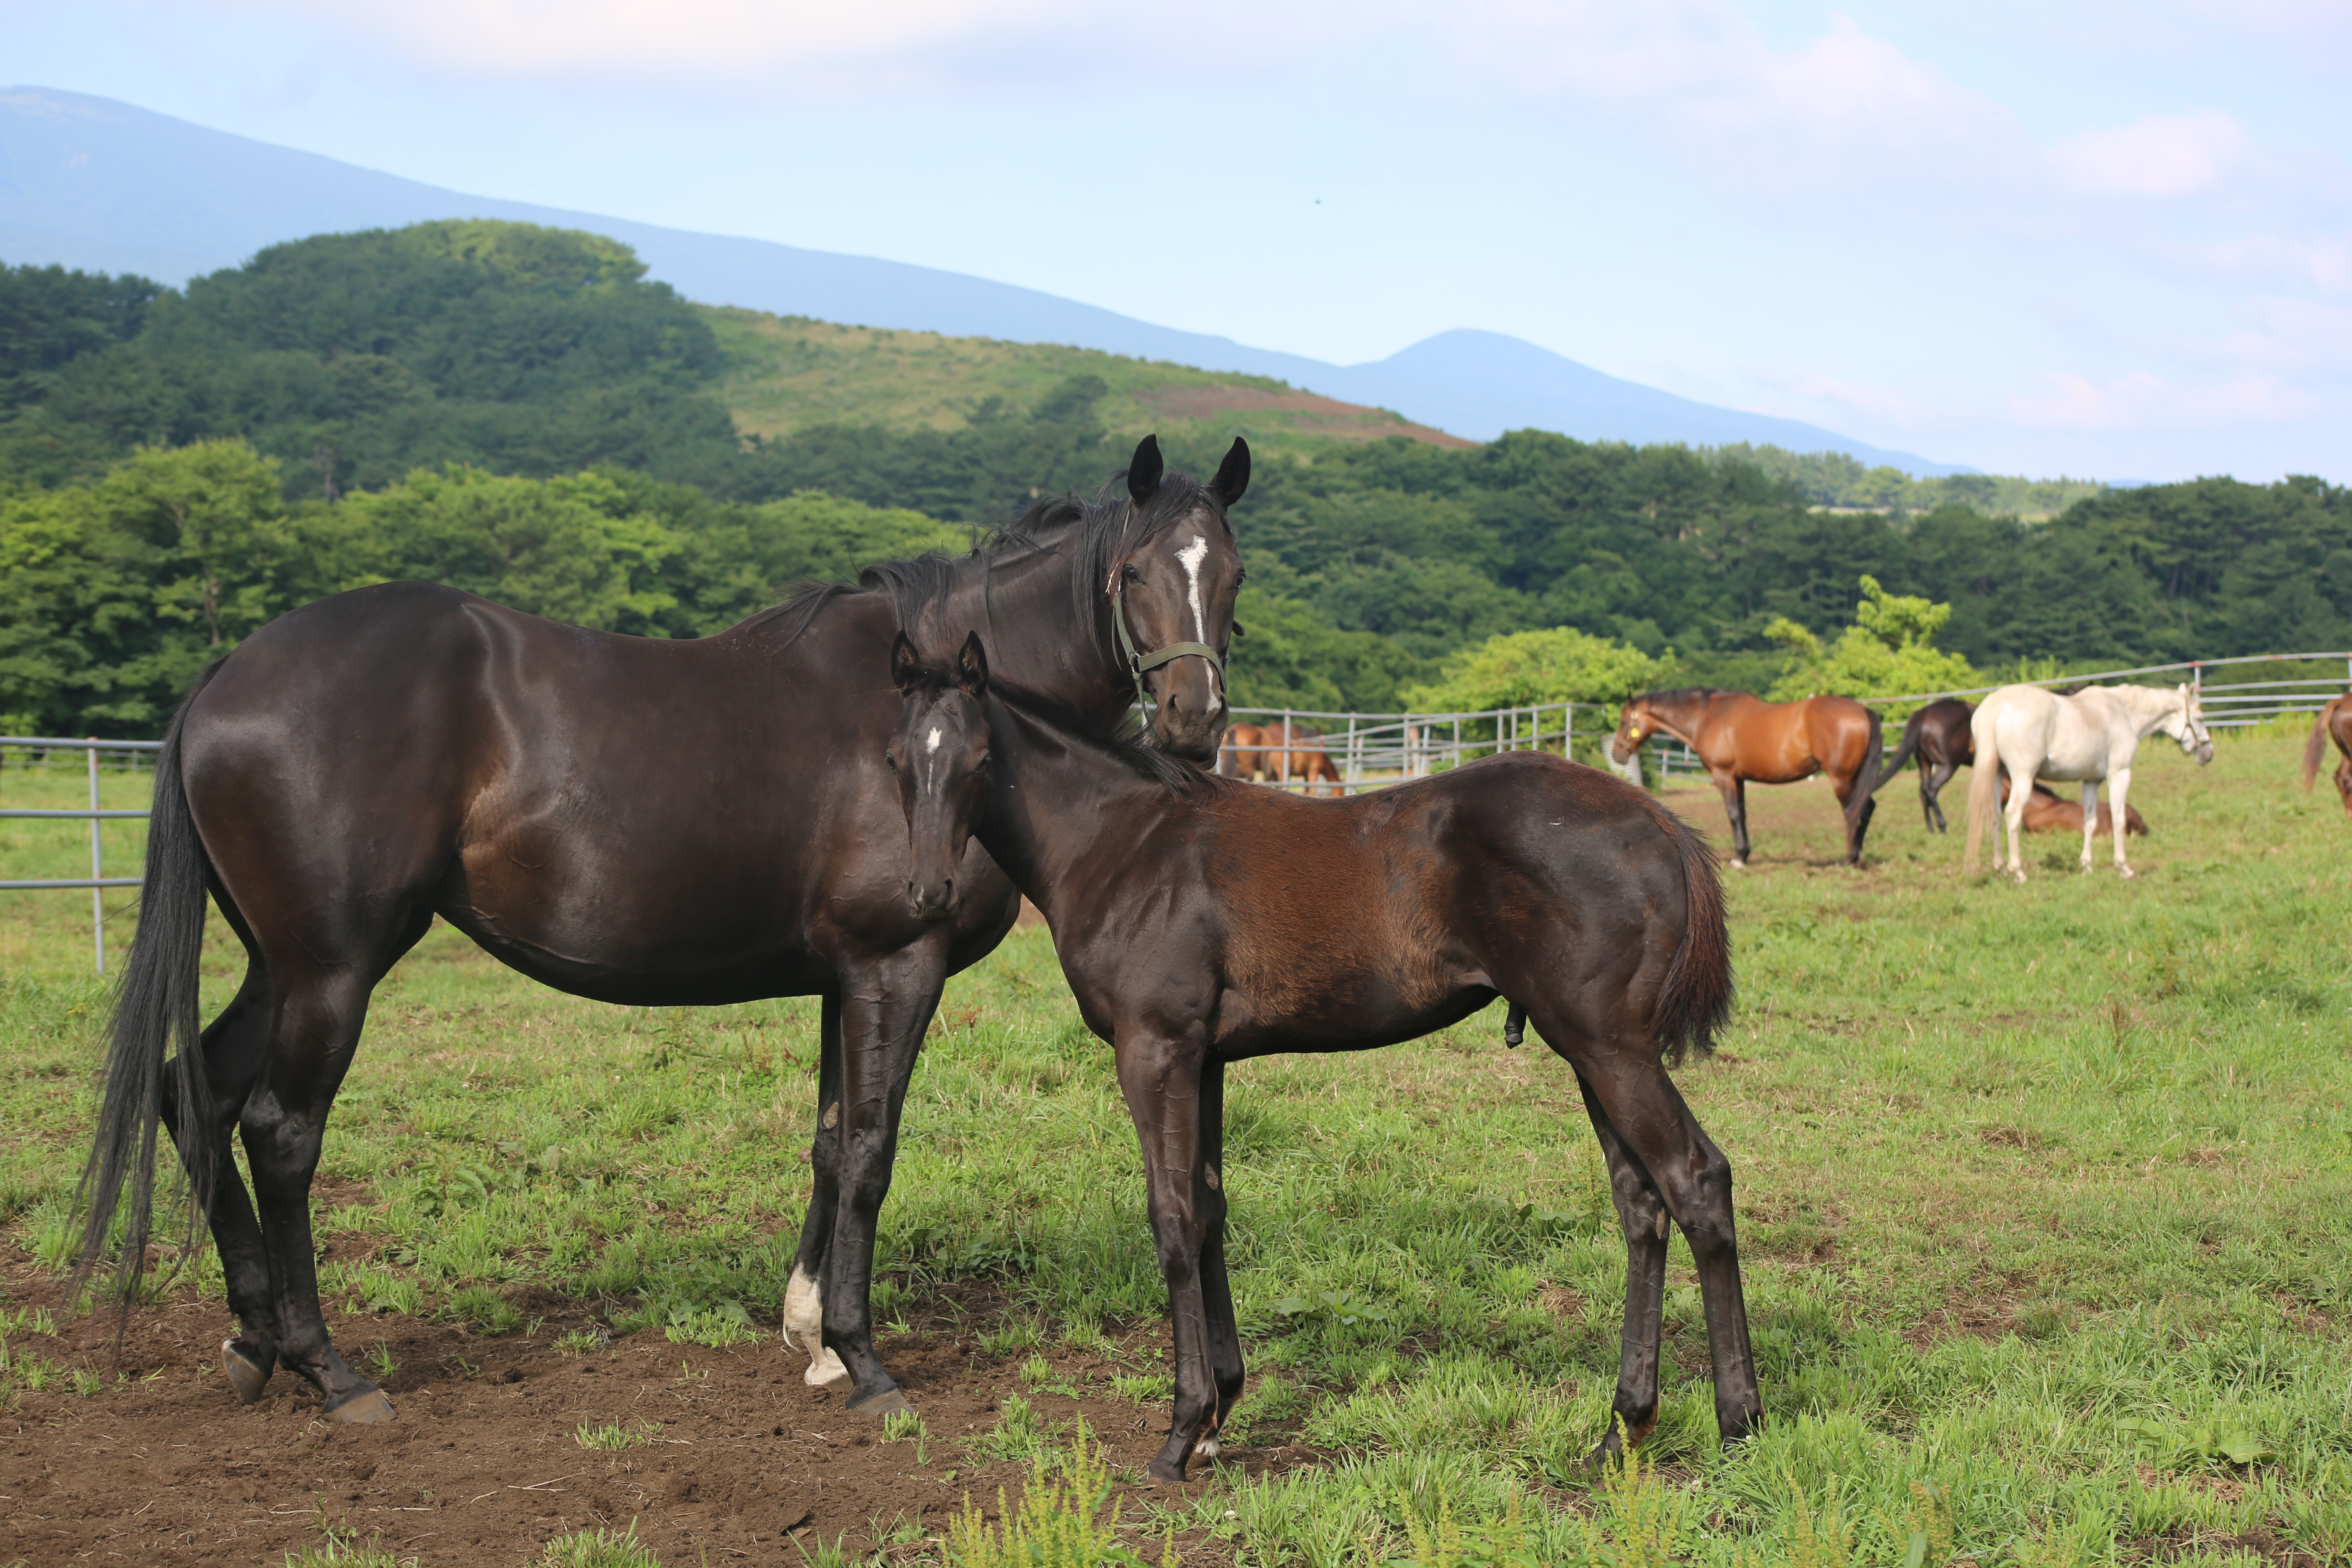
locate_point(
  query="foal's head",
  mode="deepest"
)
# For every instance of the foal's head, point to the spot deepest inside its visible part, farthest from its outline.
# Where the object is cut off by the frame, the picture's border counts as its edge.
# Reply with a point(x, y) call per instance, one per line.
point(941, 755)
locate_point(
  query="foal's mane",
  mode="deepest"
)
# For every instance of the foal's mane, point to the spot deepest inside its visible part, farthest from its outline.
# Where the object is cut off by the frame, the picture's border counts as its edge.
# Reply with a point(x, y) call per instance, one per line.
point(1094, 532)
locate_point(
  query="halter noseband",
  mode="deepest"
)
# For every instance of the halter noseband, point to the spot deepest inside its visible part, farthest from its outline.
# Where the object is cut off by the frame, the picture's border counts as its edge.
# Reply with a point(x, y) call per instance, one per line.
point(1141, 664)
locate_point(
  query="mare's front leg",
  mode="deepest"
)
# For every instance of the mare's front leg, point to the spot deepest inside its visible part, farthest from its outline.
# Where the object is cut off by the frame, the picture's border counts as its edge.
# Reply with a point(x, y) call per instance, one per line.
point(804, 1294)
point(887, 1003)
point(2118, 788)
point(1224, 1346)
point(1642, 1215)
point(1163, 1079)
point(1734, 790)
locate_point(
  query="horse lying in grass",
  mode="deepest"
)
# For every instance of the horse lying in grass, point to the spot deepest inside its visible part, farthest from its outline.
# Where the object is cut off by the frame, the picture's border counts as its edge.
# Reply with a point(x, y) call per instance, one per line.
point(1740, 737)
point(2038, 734)
point(1192, 916)
point(2046, 813)
point(2335, 721)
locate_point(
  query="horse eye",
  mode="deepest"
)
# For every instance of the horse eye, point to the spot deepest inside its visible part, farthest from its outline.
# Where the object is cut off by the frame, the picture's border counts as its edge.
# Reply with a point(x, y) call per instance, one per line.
point(890, 760)
point(1131, 575)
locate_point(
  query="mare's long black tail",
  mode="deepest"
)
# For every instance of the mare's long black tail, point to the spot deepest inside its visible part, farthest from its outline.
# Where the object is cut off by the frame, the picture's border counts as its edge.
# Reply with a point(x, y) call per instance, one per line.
point(1905, 748)
point(156, 1003)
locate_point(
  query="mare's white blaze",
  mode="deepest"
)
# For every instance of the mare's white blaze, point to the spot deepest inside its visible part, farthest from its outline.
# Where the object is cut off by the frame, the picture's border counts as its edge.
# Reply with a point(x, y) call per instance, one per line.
point(933, 744)
point(804, 1311)
point(1190, 558)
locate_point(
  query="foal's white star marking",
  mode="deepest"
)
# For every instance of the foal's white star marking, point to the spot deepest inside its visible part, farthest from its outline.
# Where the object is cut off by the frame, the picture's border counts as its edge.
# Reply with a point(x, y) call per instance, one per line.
point(934, 743)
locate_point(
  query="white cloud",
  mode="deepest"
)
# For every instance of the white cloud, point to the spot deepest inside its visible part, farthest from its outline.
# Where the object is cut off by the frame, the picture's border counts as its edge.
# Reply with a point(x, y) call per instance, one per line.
point(2145, 402)
point(2159, 155)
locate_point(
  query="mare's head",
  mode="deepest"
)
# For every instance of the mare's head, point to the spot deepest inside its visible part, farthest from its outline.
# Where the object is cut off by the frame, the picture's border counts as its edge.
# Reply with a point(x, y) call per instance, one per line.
point(2187, 725)
point(941, 755)
point(1170, 583)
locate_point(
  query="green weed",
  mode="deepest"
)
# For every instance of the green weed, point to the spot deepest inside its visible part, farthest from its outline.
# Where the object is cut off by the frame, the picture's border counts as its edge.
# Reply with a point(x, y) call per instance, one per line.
point(615, 1435)
point(1066, 1519)
point(598, 1547)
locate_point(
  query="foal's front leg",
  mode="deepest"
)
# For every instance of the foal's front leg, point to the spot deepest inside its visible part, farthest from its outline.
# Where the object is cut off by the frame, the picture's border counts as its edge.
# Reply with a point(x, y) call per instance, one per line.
point(1162, 1080)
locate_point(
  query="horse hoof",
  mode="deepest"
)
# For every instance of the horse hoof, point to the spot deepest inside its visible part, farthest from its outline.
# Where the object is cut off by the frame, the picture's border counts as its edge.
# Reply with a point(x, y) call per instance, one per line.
point(1738, 863)
point(2126, 873)
point(363, 1408)
point(245, 1375)
point(1166, 1474)
point(889, 1402)
point(825, 1370)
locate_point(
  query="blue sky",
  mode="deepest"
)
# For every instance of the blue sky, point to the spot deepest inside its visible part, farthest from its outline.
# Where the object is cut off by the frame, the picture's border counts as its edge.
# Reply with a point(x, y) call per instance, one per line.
point(2094, 238)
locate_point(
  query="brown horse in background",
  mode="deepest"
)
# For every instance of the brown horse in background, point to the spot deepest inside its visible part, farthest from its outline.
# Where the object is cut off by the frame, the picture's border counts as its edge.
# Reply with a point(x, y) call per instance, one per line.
point(1255, 751)
point(1741, 737)
point(2046, 812)
point(2335, 721)
point(1939, 734)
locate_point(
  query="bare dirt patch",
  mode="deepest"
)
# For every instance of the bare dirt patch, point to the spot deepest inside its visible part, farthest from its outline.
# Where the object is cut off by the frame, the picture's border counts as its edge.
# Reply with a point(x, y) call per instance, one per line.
point(737, 1459)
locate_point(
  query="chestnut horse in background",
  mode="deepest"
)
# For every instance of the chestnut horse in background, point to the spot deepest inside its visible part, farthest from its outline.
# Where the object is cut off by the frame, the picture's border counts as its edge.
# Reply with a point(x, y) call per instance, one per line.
point(1939, 734)
point(1741, 737)
point(2335, 721)
point(1255, 751)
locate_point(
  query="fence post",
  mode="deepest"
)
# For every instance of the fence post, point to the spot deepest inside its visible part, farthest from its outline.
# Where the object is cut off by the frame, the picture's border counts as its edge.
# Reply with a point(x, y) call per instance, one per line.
point(1355, 762)
point(1283, 777)
point(96, 895)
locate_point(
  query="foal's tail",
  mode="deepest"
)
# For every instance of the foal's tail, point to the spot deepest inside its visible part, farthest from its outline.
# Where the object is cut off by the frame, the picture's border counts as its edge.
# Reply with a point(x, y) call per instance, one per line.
point(1984, 796)
point(2314, 750)
point(157, 1002)
point(1695, 1001)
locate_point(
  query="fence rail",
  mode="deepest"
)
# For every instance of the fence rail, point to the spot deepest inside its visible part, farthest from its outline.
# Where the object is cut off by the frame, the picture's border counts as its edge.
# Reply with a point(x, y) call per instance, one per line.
point(98, 880)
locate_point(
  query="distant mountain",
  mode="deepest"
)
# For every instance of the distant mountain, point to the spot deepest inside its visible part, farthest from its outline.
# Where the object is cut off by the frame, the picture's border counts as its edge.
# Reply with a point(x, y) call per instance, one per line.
point(94, 183)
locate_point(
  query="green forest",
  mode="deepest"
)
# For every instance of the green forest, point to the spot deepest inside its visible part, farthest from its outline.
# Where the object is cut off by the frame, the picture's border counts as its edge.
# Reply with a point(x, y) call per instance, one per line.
point(517, 411)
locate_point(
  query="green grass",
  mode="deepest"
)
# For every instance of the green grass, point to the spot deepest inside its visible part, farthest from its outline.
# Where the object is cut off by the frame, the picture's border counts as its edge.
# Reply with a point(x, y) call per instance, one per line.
point(2043, 1192)
point(788, 373)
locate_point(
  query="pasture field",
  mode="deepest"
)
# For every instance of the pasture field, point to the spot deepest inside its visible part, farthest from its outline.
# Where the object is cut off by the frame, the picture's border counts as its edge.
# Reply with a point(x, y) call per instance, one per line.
point(2045, 1194)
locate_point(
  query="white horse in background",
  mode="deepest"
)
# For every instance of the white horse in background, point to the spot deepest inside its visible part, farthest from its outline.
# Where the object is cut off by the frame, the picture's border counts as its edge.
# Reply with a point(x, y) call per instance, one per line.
point(2038, 734)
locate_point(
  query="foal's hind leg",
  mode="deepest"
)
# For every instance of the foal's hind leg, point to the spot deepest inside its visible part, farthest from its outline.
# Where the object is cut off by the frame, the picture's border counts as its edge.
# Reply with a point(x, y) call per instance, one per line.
point(1933, 777)
point(2344, 783)
point(232, 1052)
point(1694, 1179)
point(1642, 1214)
point(804, 1296)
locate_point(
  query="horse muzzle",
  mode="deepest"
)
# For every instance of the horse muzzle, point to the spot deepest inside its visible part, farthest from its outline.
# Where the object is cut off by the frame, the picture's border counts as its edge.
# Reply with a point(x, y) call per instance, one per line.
point(933, 900)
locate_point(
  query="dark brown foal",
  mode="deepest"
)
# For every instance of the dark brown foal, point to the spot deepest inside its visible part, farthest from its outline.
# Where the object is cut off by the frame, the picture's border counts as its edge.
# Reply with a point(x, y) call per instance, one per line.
point(1181, 911)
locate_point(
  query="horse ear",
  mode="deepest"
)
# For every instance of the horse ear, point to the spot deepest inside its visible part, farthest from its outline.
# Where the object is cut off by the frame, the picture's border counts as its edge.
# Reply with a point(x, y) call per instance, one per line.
point(1144, 469)
point(971, 668)
point(1233, 474)
point(905, 666)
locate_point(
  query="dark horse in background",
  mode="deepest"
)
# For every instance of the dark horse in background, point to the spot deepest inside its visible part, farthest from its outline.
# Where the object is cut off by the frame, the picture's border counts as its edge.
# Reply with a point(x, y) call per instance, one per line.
point(1191, 914)
point(1741, 738)
point(2333, 723)
point(1939, 734)
point(638, 821)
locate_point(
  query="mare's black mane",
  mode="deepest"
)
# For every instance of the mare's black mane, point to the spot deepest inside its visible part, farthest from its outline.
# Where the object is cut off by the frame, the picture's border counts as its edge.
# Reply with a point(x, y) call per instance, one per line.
point(1098, 532)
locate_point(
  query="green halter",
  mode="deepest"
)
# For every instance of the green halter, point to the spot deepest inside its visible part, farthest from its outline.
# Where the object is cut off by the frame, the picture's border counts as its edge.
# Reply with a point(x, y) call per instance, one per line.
point(1139, 664)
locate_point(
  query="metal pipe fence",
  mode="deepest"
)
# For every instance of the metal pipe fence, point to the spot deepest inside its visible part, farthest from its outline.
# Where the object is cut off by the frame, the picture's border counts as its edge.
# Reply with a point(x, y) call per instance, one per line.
point(42, 752)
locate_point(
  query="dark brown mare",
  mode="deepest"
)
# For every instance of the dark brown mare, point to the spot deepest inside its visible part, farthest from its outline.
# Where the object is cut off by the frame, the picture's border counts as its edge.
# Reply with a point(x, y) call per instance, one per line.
point(2335, 721)
point(1192, 916)
point(1939, 734)
point(1740, 738)
point(643, 822)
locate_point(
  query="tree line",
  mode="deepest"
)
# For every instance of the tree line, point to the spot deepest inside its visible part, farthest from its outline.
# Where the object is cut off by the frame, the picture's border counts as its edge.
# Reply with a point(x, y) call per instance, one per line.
point(516, 410)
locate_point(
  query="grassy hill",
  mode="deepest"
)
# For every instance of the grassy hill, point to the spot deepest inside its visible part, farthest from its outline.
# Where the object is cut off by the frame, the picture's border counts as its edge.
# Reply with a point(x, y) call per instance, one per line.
point(787, 373)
